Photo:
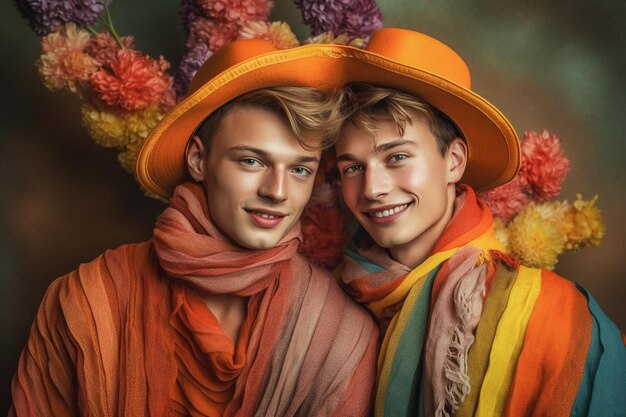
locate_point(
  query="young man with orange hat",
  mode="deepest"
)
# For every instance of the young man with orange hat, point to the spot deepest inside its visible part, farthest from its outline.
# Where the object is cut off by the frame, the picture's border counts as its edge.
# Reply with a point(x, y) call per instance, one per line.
point(217, 315)
point(468, 331)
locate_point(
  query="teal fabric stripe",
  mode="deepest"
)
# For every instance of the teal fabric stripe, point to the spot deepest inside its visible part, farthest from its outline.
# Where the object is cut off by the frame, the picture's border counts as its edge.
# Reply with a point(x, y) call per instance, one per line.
point(603, 392)
point(401, 398)
point(353, 252)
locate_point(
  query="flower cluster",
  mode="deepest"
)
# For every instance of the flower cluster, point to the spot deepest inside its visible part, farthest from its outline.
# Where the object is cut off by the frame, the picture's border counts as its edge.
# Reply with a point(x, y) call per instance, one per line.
point(210, 24)
point(125, 92)
point(46, 16)
point(533, 228)
point(356, 19)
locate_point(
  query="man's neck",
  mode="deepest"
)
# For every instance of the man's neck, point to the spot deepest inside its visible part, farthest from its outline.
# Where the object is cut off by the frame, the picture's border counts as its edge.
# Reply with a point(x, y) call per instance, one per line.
point(229, 310)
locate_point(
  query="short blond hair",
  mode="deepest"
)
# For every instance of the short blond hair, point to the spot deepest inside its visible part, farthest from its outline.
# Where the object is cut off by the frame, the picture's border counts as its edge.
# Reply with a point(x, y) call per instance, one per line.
point(366, 105)
point(314, 116)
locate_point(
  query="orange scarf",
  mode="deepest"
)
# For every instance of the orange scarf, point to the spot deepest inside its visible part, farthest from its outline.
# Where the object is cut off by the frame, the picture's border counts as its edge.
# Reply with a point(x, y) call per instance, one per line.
point(126, 335)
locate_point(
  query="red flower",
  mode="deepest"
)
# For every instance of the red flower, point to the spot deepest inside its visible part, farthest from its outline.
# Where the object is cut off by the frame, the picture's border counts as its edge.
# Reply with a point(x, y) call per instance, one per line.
point(507, 200)
point(324, 235)
point(133, 81)
point(103, 47)
point(543, 164)
point(208, 32)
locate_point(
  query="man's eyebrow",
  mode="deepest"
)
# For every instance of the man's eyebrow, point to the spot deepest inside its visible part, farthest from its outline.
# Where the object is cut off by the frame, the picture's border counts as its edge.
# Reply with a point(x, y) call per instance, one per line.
point(393, 144)
point(379, 149)
point(265, 155)
point(252, 149)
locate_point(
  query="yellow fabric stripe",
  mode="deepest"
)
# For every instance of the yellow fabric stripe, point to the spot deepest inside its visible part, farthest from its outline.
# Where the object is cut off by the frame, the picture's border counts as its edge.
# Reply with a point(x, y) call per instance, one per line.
point(484, 242)
point(478, 357)
point(390, 344)
point(508, 343)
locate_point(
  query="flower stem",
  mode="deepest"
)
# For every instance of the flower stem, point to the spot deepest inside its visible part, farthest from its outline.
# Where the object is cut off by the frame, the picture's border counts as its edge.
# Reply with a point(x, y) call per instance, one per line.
point(109, 26)
point(92, 30)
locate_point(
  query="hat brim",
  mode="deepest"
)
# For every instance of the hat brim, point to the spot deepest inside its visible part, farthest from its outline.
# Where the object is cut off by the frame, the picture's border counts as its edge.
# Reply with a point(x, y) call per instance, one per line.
point(494, 153)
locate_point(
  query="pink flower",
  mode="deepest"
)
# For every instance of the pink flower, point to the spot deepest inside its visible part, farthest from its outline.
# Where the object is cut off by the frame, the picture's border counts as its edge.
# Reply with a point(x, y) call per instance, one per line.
point(507, 200)
point(133, 81)
point(207, 32)
point(279, 33)
point(236, 11)
point(543, 164)
point(64, 63)
point(103, 47)
point(324, 235)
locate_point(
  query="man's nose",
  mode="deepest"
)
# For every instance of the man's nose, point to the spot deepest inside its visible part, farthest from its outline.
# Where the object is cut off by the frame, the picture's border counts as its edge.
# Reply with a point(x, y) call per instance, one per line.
point(274, 185)
point(377, 183)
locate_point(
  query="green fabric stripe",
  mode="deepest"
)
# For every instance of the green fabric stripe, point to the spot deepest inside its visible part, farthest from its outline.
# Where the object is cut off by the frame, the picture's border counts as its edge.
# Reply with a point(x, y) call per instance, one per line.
point(608, 386)
point(478, 357)
point(583, 397)
point(401, 398)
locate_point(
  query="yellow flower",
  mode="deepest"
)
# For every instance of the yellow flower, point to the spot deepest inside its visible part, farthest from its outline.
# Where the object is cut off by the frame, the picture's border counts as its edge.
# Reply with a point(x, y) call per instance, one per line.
point(586, 225)
point(501, 232)
point(139, 123)
point(279, 33)
point(536, 241)
point(128, 158)
point(106, 128)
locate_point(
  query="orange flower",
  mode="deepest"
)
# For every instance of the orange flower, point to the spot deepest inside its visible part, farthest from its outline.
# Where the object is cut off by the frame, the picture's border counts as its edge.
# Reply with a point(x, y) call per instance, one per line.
point(133, 81)
point(543, 164)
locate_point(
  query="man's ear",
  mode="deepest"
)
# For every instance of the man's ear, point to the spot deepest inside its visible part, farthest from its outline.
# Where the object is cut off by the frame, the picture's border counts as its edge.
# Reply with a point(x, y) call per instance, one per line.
point(457, 160)
point(195, 157)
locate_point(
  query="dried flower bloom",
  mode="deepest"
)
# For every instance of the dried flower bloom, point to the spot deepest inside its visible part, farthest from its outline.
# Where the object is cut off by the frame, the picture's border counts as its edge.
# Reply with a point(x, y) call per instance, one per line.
point(501, 232)
point(107, 129)
point(44, 16)
point(342, 39)
point(537, 242)
point(587, 226)
point(188, 12)
point(279, 33)
point(543, 164)
point(140, 123)
point(133, 81)
point(507, 200)
point(358, 18)
point(64, 63)
point(103, 47)
point(324, 235)
point(128, 158)
point(215, 35)
point(188, 67)
point(236, 11)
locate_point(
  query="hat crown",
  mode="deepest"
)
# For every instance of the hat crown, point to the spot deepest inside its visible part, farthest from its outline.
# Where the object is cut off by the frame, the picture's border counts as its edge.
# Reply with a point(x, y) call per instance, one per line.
point(420, 51)
point(228, 56)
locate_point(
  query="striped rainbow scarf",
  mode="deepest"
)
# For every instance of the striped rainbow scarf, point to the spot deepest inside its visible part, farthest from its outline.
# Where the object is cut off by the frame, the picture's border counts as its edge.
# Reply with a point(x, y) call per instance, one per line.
point(469, 332)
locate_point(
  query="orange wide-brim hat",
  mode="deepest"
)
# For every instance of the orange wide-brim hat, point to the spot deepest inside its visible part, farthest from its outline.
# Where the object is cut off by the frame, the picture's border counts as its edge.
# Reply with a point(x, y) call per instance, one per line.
point(396, 58)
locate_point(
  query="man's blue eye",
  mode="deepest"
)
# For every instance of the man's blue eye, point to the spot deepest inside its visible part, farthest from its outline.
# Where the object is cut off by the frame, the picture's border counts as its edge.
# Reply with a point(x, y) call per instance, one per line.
point(352, 169)
point(397, 158)
point(250, 162)
point(302, 171)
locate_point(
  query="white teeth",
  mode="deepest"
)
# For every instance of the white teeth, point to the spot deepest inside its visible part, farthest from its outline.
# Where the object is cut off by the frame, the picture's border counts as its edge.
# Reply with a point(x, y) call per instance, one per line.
point(388, 212)
point(265, 215)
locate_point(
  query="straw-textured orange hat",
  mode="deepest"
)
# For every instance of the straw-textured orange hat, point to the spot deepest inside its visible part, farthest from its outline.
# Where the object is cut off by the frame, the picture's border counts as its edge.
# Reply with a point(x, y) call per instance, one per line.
point(397, 58)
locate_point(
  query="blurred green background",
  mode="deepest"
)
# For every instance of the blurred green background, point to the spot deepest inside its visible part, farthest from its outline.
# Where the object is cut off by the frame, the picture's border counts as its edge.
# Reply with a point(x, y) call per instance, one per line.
point(545, 64)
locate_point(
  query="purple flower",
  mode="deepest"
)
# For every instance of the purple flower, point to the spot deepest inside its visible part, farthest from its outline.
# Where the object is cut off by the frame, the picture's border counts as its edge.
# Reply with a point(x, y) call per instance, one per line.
point(357, 18)
point(46, 15)
point(190, 63)
point(188, 12)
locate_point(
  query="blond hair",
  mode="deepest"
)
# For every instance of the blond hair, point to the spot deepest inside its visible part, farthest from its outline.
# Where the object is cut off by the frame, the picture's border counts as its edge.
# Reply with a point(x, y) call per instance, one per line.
point(314, 116)
point(366, 106)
